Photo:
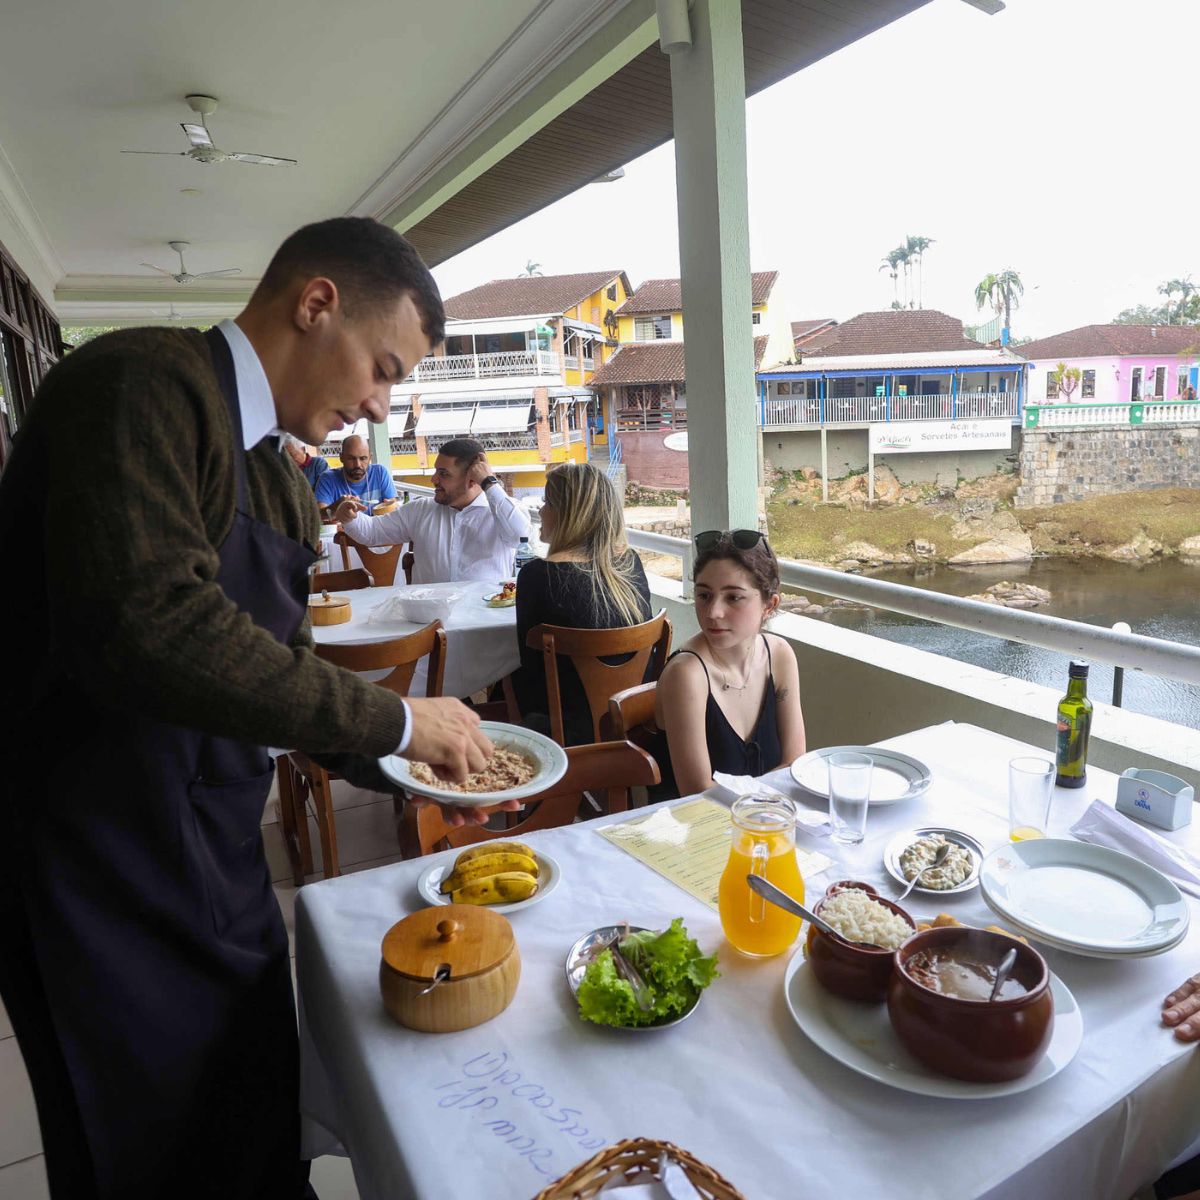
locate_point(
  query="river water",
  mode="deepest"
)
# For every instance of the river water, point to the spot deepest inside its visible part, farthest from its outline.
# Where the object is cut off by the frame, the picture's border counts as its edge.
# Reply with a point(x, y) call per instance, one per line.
point(1160, 600)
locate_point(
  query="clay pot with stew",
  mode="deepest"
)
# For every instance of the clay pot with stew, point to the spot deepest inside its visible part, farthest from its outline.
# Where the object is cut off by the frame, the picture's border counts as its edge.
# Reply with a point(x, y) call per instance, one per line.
point(852, 972)
point(937, 1002)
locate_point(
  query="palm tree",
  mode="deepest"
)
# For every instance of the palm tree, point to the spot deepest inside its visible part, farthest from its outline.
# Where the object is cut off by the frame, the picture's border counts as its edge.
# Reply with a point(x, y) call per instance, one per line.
point(532, 268)
point(917, 246)
point(891, 263)
point(1001, 292)
point(904, 258)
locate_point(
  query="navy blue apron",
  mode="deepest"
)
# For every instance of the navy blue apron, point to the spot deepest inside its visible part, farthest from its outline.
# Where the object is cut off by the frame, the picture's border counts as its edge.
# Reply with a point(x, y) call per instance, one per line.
point(145, 961)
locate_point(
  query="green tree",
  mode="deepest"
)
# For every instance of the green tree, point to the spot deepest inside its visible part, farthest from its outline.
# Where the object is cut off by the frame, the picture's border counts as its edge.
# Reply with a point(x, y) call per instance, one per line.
point(74, 338)
point(916, 247)
point(1185, 289)
point(532, 268)
point(1066, 379)
point(891, 263)
point(1002, 292)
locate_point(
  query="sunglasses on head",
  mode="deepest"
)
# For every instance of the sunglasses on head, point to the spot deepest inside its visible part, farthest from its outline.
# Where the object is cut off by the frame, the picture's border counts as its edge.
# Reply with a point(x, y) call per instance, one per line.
point(743, 539)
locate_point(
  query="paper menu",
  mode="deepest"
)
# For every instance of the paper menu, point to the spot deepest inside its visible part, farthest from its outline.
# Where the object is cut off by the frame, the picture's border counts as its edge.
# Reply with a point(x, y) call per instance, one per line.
point(688, 844)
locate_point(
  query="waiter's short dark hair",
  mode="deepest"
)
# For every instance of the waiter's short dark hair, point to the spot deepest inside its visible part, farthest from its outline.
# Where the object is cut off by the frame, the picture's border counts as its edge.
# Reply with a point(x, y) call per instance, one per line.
point(372, 265)
point(462, 450)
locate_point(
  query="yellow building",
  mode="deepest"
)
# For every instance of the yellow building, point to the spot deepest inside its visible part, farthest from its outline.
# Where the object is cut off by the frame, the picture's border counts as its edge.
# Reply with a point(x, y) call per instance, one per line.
point(642, 389)
point(513, 372)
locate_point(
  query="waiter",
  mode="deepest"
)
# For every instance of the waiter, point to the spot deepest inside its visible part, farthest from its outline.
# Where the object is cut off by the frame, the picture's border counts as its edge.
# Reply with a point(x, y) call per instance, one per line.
point(158, 643)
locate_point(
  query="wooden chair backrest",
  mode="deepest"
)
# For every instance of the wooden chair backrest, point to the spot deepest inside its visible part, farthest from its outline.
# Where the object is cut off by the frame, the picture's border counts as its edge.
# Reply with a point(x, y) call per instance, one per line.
point(631, 715)
point(617, 766)
point(338, 581)
point(400, 654)
point(408, 562)
point(381, 563)
point(649, 643)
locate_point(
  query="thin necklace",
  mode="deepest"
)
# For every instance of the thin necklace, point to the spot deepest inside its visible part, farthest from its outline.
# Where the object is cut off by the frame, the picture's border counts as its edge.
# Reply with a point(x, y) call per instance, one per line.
point(726, 686)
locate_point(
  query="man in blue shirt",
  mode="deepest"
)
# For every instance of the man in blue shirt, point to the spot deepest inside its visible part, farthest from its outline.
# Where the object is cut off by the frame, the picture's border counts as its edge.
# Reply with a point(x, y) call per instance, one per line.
point(356, 479)
point(307, 458)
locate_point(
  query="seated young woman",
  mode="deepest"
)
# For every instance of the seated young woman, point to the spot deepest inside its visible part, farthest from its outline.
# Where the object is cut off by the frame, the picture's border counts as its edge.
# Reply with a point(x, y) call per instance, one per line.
point(590, 579)
point(737, 684)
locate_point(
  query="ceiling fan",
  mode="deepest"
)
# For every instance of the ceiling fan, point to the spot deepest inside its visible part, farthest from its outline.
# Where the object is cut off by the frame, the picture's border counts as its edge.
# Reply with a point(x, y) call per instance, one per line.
point(203, 150)
point(184, 275)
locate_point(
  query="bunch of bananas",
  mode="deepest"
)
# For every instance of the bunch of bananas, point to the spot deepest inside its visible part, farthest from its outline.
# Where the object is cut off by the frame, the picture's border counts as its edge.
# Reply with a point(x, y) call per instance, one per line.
point(492, 873)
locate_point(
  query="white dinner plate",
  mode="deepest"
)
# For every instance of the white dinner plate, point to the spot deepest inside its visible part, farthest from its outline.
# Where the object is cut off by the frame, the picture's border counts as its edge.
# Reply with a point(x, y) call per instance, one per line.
point(549, 874)
point(1043, 939)
point(895, 777)
point(550, 757)
point(860, 1036)
point(901, 842)
point(1084, 897)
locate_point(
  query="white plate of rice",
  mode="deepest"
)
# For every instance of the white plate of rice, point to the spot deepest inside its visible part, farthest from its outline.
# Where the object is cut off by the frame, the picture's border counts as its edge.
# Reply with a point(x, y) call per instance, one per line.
point(516, 747)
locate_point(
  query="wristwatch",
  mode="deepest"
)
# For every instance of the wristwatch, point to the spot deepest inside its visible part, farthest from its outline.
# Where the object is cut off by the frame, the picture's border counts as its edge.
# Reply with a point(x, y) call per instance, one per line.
point(487, 481)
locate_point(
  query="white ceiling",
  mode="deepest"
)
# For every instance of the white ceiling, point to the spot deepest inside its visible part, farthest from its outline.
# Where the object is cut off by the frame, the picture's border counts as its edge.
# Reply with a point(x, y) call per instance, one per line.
point(362, 93)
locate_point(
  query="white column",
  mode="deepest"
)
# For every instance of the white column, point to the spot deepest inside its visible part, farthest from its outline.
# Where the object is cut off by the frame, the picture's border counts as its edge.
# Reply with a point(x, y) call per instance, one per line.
point(708, 93)
point(381, 444)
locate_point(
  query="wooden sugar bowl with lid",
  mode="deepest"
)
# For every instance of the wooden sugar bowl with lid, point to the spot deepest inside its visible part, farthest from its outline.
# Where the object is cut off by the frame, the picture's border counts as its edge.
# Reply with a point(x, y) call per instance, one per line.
point(324, 609)
point(449, 967)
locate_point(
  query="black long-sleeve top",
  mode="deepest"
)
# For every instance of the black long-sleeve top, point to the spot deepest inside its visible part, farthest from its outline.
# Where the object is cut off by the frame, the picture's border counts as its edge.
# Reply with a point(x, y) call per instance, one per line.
point(560, 593)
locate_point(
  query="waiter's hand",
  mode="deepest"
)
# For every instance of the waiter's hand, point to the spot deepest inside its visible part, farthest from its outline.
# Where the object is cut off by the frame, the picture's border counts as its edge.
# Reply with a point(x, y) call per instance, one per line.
point(479, 470)
point(346, 509)
point(446, 735)
point(1180, 1009)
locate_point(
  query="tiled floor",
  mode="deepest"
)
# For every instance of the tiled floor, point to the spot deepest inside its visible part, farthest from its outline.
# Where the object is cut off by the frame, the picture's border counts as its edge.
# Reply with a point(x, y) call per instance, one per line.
point(366, 839)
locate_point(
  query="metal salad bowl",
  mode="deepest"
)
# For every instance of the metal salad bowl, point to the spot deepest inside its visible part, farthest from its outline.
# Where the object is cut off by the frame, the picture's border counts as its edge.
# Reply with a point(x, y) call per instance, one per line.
point(587, 948)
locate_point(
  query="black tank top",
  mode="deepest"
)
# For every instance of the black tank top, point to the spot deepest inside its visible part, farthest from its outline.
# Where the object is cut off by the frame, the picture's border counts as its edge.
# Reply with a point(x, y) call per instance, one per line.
point(727, 752)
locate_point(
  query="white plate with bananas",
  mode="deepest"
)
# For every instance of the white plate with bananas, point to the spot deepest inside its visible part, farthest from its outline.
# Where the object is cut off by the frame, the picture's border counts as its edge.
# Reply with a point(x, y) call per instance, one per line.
point(504, 876)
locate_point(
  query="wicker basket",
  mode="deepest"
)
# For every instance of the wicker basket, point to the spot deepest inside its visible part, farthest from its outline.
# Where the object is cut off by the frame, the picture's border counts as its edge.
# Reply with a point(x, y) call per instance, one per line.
point(628, 1160)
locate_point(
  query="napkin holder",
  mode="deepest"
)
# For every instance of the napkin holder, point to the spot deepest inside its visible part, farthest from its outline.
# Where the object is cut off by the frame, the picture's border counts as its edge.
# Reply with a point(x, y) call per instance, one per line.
point(1155, 798)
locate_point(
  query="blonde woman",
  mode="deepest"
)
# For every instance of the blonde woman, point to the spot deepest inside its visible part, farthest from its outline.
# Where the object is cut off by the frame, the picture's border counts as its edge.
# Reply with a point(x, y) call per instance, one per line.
point(590, 579)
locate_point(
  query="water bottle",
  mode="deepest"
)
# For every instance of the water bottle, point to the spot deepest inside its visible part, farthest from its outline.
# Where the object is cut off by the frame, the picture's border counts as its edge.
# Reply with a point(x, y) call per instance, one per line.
point(524, 554)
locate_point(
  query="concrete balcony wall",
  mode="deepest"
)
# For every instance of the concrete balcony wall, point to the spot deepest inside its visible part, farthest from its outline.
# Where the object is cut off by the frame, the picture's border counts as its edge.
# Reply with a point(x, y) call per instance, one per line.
point(857, 689)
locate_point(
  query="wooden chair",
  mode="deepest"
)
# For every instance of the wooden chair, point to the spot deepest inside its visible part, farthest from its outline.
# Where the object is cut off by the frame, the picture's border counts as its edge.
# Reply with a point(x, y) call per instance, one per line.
point(648, 643)
point(380, 563)
point(302, 780)
point(630, 716)
point(617, 766)
point(408, 562)
point(338, 581)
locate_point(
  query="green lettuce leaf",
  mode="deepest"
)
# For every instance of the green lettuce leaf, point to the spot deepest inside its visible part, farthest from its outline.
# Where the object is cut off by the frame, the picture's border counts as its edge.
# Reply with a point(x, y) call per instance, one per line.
point(668, 960)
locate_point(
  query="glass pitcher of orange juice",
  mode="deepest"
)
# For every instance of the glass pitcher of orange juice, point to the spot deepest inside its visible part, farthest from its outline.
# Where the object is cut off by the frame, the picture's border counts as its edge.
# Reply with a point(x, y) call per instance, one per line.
point(763, 837)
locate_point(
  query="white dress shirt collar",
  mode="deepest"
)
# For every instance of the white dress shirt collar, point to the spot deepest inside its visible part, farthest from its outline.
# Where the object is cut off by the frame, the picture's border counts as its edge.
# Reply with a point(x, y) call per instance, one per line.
point(255, 401)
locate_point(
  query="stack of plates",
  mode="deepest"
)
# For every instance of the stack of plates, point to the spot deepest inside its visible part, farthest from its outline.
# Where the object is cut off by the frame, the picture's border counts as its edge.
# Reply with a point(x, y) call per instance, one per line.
point(1084, 899)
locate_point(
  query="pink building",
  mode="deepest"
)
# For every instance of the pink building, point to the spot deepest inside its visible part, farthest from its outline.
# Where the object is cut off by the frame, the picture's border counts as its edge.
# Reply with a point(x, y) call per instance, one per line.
point(1118, 364)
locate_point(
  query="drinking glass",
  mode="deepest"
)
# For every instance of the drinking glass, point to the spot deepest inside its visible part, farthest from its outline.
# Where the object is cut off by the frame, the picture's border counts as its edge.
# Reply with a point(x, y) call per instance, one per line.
point(1030, 786)
point(849, 795)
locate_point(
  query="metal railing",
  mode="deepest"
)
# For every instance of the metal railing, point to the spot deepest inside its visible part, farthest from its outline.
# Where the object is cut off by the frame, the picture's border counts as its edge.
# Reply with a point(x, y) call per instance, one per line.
point(403, 445)
point(1133, 651)
point(486, 366)
point(571, 362)
point(406, 491)
point(615, 455)
point(861, 410)
point(1086, 413)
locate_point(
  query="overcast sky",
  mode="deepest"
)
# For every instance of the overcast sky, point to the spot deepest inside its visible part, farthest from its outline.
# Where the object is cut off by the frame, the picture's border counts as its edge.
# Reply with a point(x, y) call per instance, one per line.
point(1056, 138)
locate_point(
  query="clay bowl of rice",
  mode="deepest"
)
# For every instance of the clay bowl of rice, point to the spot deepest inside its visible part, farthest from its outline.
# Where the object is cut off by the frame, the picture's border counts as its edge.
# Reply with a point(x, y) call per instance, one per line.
point(859, 914)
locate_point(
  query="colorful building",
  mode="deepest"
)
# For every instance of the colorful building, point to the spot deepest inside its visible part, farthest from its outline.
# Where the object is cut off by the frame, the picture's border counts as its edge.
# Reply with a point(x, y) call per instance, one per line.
point(1117, 364)
point(514, 372)
point(642, 390)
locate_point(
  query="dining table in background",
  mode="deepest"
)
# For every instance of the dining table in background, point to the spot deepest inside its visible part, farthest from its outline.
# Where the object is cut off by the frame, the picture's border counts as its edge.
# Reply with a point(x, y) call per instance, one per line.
point(513, 1104)
point(481, 642)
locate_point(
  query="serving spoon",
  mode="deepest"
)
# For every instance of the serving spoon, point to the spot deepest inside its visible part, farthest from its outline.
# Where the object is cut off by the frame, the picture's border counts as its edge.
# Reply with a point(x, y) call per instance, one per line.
point(940, 857)
point(768, 891)
point(1002, 972)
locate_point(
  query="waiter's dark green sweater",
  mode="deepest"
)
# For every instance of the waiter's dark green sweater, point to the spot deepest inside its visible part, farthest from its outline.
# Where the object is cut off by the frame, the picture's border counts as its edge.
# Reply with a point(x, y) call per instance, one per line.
point(117, 496)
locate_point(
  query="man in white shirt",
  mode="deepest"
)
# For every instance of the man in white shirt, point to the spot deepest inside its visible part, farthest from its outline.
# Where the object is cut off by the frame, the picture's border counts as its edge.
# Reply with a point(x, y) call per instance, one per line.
point(470, 529)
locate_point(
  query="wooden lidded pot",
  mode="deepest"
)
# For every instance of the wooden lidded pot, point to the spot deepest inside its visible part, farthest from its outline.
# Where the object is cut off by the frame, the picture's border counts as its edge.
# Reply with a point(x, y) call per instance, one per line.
point(472, 948)
point(324, 609)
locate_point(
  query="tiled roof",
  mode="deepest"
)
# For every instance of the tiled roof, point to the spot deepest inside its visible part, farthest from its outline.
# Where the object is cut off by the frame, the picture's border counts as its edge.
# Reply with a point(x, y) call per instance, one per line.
point(529, 295)
point(1116, 341)
point(806, 329)
point(893, 331)
point(666, 295)
point(653, 362)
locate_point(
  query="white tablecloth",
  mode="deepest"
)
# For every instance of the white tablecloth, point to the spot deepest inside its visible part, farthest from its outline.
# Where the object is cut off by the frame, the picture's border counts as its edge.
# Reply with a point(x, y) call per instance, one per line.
point(511, 1105)
point(481, 642)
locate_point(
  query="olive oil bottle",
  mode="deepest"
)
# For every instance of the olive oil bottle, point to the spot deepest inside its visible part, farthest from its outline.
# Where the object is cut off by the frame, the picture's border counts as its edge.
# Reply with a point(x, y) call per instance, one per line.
point(1074, 727)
